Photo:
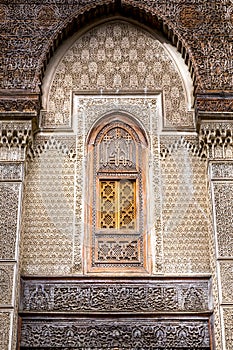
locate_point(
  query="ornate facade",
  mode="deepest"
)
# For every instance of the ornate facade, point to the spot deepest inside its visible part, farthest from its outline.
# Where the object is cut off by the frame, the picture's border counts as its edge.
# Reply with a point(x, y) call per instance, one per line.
point(116, 174)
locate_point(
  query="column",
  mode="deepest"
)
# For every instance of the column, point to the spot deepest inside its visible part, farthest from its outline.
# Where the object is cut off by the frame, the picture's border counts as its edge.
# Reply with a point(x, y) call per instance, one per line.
point(217, 144)
point(14, 138)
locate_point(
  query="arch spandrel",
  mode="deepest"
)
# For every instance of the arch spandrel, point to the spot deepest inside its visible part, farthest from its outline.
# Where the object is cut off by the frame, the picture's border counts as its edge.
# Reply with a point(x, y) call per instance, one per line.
point(165, 19)
point(118, 57)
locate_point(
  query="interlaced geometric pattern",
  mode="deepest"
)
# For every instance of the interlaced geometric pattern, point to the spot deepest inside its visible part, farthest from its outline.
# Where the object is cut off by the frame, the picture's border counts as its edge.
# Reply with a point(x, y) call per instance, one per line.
point(117, 204)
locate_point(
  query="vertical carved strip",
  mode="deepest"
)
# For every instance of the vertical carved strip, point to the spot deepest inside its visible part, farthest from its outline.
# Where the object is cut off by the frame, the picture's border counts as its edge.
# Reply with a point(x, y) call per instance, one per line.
point(222, 194)
point(228, 327)
point(11, 177)
point(5, 328)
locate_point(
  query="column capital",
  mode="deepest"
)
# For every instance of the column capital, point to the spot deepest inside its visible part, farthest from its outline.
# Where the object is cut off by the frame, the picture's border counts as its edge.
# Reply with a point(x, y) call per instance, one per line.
point(216, 138)
point(15, 136)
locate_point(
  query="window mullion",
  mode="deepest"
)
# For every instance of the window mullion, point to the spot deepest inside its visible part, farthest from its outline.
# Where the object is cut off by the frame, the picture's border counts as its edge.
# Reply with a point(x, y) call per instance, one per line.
point(117, 204)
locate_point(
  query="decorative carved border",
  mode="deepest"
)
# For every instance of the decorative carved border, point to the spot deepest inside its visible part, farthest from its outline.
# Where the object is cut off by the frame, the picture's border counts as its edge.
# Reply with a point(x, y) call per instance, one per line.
point(226, 276)
point(216, 103)
point(227, 315)
point(6, 284)
point(24, 104)
point(115, 296)
point(11, 171)
point(222, 170)
point(10, 193)
point(5, 326)
point(115, 333)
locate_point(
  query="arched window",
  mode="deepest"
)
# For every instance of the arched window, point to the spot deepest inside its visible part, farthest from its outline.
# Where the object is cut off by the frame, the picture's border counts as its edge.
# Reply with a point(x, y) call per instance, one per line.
point(117, 168)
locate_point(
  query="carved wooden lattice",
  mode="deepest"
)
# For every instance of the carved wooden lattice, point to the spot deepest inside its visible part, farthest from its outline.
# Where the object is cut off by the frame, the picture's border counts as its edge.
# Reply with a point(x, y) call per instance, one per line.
point(117, 204)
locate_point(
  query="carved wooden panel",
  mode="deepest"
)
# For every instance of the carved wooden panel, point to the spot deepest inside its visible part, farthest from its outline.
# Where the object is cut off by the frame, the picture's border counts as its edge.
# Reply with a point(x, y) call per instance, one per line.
point(117, 150)
point(117, 208)
point(115, 333)
point(118, 295)
point(106, 313)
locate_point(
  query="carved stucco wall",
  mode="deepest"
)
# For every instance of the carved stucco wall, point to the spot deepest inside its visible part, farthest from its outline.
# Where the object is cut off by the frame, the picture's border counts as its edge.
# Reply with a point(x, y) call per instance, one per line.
point(185, 213)
point(116, 55)
point(54, 199)
point(47, 241)
point(205, 29)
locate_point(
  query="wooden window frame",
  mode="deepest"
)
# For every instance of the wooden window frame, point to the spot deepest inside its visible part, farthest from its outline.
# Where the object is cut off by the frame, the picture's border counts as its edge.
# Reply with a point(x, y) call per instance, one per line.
point(138, 261)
